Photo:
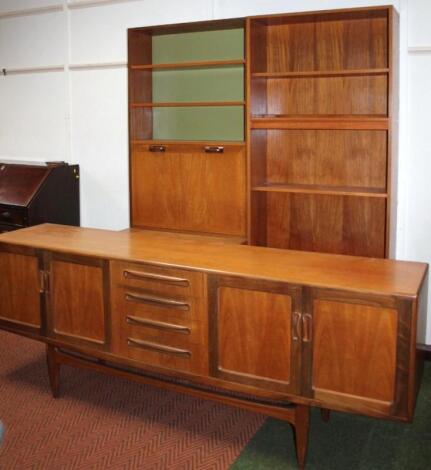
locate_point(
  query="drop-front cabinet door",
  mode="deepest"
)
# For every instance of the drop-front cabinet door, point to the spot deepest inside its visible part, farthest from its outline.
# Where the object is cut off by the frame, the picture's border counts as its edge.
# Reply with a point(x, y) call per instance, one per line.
point(255, 332)
point(358, 354)
point(77, 306)
point(193, 187)
point(20, 289)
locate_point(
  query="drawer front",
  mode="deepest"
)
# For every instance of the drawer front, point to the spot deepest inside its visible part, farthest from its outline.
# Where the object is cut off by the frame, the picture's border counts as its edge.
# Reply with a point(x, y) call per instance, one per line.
point(174, 284)
point(161, 320)
point(12, 217)
point(160, 307)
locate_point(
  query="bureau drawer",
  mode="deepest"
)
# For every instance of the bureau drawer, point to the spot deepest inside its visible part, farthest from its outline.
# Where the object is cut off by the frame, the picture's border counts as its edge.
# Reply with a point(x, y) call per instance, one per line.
point(13, 217)
point(176, 284)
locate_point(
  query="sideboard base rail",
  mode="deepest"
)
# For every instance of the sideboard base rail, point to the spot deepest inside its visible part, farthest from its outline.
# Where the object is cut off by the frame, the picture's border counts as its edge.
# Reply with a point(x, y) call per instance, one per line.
point(298, 416)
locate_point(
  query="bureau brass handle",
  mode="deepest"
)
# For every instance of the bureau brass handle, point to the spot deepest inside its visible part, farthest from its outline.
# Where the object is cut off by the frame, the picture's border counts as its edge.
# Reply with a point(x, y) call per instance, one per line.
point(306, 328)
point(157, 148)
point(6, 215)
point(158, 347)
point(214, 149)
point(154, 300)
point(297, 327)
point(158, 324)
point(156, 277)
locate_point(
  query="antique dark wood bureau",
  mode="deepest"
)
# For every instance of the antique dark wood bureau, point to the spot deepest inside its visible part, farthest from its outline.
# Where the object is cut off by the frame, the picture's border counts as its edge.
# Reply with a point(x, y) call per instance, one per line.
point(33, 193)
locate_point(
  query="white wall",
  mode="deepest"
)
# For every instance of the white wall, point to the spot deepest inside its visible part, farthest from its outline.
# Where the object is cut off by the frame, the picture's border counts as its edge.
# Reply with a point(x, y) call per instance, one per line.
point(73, 107)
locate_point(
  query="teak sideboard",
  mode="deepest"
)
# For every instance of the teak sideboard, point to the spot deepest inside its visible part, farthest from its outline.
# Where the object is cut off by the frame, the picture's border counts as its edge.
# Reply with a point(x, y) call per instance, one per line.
point(273, 331)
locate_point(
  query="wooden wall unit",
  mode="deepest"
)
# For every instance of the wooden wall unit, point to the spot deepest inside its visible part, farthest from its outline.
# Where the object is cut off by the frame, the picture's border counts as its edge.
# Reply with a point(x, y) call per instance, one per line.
point(320, 127)
point(186, 110)
point(274, 331)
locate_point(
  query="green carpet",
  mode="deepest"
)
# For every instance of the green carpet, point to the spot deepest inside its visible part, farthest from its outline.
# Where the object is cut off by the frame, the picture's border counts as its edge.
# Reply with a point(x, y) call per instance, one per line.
point(347, 442)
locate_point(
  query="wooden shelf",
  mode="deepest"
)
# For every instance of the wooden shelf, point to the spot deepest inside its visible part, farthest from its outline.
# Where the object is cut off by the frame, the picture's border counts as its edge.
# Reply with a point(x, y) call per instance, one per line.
point(359, 122)
point(321, 74)
point(183, 65)
point(181, 104)
point(327, 190)
point(187, 142)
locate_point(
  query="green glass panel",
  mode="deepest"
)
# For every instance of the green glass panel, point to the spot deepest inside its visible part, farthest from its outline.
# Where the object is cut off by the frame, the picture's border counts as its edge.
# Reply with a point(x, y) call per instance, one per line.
point(224, 44)
point(199, 123)
point(203, 84)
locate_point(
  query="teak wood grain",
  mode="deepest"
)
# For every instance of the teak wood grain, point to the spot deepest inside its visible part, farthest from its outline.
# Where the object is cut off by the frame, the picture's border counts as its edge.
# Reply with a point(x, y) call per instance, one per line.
point(354, 158)
point(76, 294)
point(359, 95)
point(360, 274)
point(19, 289)
point(354, 350)
point(325, 223)
point(184, 188)
point(254, 335)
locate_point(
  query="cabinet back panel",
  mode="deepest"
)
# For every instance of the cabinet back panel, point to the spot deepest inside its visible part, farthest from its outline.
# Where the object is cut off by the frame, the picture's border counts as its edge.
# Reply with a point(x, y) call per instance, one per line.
point(199, 84)
point(199, 123)
point(19, 288)
point(354, 350)
point(223, 44)
point(185, 188)
point(254, 331)
point(328, 158)
point(77, 301)
point(331, 224)
point(364, 95)
point(326, 42)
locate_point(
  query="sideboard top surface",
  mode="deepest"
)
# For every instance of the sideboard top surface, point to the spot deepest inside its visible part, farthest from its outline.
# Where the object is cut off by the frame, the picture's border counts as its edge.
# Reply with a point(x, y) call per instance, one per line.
point(370, 275)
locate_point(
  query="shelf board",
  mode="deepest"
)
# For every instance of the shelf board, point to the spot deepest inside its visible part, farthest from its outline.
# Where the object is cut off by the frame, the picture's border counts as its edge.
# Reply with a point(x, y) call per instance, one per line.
point(182, 104)
point(318, 74)
point(183, 65)
point(231, 143)
point(359, 122)
point(321, 189)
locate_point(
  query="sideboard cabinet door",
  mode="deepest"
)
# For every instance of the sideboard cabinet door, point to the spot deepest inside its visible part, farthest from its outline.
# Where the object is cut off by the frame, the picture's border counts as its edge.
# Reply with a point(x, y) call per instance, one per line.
point(254, 336)
point(77, 306)
point(359, 353)
point(20, 289)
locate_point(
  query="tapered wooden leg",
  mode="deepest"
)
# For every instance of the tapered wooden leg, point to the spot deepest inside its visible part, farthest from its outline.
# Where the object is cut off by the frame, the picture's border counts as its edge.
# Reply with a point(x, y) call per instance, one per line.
point(325, 414)
point(301, 427)
point(53, 370)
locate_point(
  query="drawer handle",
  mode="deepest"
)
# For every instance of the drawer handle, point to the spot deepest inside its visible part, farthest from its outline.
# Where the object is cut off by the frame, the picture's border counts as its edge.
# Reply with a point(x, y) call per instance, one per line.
point(138, 343)
point(153, 300)
point(6, 215)
point(306, 328)
point(214, 149)
point(157, 148)
point(158, 324)
point(156, 277)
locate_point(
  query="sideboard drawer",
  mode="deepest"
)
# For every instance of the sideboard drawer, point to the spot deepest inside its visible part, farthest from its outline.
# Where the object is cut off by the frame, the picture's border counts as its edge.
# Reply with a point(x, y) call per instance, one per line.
point(160, 307)
point(175, 283)
point(159, 316)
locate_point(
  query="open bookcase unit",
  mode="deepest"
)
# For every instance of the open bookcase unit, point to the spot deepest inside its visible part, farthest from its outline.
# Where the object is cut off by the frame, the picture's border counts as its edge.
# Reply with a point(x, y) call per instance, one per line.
point(303, 109)
point(187, 83)
point(321, 122)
